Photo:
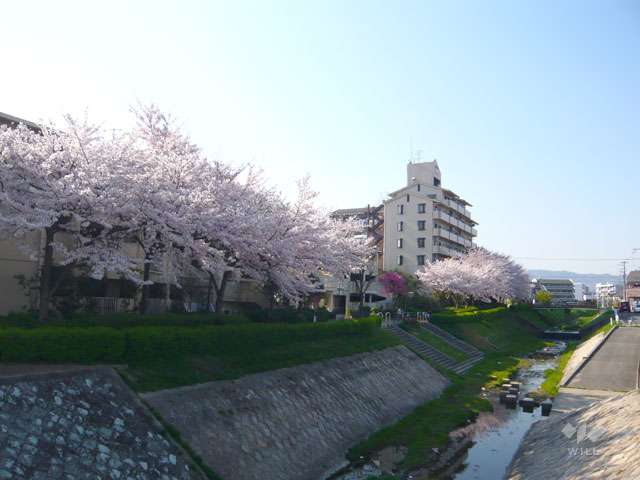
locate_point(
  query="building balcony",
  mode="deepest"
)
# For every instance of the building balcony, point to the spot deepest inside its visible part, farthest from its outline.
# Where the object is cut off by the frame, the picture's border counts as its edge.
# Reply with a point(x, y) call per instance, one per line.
point(445, 217)
point(453, 237)
point(446, 251)
point(461, 209)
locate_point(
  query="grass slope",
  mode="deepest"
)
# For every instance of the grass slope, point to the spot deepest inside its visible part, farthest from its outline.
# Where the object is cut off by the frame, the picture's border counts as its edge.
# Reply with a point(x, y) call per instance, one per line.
point(168, 356)
point(504, 336)
point(160, 373)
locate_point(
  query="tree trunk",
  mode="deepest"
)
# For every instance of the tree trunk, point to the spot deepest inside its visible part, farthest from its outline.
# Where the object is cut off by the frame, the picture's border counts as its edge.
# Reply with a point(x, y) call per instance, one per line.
point(45, 275)
point(209, 290)
point(142, 307)
point(362, 280)
point(220, 290)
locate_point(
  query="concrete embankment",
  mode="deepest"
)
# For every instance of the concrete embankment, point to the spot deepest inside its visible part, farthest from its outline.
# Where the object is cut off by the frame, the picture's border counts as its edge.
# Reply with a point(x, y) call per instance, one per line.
point(596, 441)
point(82, 424)
point(297, 423)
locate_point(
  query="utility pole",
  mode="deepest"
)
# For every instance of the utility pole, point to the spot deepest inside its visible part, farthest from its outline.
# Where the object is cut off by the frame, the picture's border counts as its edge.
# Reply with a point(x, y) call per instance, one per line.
point(624, 280)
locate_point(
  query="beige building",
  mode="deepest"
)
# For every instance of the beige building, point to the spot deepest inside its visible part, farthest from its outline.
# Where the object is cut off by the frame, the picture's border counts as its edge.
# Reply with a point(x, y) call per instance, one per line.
point(425, 222)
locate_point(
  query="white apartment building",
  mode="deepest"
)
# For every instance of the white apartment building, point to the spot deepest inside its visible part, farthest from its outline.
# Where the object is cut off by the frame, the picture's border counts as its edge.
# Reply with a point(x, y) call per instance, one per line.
point(424, 222)
point(606, 294)
point(582, 292)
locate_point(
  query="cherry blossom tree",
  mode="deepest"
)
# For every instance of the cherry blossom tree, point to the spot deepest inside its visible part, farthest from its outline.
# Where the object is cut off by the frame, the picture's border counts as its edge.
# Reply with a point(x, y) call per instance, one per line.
point(147, 200)
point(479, 275)
point(302, 243)
point(59, 182)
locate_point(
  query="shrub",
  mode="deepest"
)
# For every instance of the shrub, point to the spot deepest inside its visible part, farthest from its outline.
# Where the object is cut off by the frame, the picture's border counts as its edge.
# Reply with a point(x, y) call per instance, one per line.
point(288, 315)
point(163, 342)
point(124, 320)
point(81, 345)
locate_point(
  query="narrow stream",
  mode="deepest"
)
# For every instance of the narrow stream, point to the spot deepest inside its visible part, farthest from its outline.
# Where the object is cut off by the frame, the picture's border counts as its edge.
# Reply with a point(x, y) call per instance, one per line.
point(498, 434)
point(495, 436)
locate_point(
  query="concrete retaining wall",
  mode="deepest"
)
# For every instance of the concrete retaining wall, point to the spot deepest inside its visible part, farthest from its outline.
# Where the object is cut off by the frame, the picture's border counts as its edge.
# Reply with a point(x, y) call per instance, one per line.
point(297, 423)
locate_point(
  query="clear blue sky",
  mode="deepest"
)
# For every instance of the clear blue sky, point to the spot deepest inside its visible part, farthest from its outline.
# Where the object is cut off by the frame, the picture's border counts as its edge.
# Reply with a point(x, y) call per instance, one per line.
point(531, 108)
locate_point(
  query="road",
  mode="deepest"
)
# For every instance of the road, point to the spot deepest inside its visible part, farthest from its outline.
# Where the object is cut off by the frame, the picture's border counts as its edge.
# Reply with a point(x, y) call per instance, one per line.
point(615, 365)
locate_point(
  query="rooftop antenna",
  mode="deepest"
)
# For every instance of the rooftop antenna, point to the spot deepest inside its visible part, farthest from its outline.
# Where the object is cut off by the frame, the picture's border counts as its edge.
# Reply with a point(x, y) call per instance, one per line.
point(410, 149)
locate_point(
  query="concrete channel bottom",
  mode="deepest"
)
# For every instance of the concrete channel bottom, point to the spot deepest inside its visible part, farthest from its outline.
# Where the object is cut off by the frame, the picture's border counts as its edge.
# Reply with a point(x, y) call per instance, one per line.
point(614, 366)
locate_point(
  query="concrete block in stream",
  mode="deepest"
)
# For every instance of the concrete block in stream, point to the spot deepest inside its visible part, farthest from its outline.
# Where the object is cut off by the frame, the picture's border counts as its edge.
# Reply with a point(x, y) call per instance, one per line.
point(528, 404)
point(516, 385)
point(546, 408)
point(511, 401)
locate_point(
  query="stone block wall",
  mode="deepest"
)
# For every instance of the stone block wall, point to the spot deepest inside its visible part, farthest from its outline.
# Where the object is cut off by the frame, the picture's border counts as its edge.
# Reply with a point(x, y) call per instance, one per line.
point(82, 425)
point(297, 423)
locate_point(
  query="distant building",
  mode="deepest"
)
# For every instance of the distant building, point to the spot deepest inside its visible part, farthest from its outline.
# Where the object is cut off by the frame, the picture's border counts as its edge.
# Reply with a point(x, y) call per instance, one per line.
point(633, 290)
point(425, 222)
point(582, 292)
point(340, 294)
point(562, 290)
point(607, 294)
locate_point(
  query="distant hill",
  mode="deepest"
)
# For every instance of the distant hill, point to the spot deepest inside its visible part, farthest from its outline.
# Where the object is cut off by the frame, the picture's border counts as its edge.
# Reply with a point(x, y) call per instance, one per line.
point(589, 279)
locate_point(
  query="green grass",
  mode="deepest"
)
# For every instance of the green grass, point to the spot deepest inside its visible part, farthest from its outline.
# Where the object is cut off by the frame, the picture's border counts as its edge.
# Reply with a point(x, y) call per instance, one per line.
point(553, 376)
point(571, 319)
point(160, 373)
point(493, 330)
point(586, 320)
point(428, 426)
point(505, 336)
point(436, 342)
point(169, 356)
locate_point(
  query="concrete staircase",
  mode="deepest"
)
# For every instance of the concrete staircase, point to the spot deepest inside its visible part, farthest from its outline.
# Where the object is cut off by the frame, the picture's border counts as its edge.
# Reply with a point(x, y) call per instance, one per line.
point(436, 356)
point(423, 348)
point(474, 355)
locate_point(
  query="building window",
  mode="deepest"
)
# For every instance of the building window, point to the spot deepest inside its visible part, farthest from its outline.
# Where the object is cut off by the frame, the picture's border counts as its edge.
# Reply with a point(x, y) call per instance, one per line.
point(420, 259)
point(418, 187)
point(400, 259)
point(421, 242)
point(421, 225)
point(407, 198)
point(400, 209)
point(400, 226)
point(436, 182)
point(422, 207)
point(399, 243)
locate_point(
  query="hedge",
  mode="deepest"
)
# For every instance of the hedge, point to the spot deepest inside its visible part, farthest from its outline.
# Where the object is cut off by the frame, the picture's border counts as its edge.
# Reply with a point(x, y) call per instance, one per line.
point(83, 345)
point(126, 320)
point(138, 344)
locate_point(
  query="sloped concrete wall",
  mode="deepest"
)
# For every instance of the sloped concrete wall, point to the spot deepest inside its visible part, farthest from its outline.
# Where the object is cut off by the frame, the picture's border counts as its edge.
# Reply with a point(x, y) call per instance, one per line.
point(297, 423)
point(80, 425)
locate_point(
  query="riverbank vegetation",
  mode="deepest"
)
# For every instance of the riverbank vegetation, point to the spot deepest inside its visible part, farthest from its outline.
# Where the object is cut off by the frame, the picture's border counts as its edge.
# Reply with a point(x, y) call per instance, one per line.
point(553, 376)
point(167, 356)
point(505, 337)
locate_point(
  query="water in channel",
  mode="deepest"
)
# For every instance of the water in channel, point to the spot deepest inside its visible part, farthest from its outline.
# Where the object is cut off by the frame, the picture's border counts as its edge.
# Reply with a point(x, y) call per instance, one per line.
point(495, 435)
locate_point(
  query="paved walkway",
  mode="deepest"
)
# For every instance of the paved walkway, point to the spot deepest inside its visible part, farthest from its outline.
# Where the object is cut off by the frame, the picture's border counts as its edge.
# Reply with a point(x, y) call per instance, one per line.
point(614, 366)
